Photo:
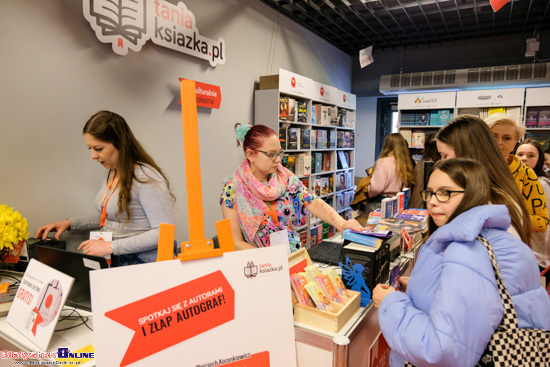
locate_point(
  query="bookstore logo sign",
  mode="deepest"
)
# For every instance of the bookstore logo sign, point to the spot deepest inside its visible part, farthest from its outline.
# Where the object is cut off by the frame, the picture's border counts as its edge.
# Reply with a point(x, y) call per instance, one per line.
point(129, 24)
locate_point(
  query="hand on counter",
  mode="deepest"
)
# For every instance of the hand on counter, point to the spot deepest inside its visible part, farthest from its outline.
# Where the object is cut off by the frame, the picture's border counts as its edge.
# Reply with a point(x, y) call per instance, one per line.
point(380, 292)
point(96, 247)
point(60, 227)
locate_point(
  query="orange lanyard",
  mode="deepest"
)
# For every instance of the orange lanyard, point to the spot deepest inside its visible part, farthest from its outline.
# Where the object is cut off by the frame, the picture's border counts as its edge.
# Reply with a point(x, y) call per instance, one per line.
point(104, 207)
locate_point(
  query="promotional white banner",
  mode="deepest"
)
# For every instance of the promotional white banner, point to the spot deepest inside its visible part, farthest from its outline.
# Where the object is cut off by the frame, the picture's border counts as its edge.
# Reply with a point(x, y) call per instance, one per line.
point(365, 57)
point(234, 310)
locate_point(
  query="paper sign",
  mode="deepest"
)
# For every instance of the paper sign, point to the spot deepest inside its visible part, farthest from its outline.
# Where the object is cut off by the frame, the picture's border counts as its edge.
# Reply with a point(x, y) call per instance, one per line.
point(280, 238)
point(209, 312)
point(38, 302)
point(208, 95)
point(365, 57)
point(103, 236)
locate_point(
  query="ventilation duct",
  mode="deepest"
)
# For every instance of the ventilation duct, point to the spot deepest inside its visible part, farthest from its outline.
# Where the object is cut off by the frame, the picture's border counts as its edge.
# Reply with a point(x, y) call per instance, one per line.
point(472, 78)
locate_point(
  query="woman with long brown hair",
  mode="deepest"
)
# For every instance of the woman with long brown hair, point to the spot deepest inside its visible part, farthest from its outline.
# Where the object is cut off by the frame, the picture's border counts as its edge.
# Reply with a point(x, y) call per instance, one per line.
point(392, 171)
point(132, 203)
point(468, 136)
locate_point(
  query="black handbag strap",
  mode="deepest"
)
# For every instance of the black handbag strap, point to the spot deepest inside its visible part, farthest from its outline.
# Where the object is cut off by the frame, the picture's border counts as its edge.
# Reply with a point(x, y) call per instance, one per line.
point(510, 317)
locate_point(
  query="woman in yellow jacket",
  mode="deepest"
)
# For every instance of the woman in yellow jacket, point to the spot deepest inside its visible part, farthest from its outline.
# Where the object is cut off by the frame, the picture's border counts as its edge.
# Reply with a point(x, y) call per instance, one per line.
point(508, 133)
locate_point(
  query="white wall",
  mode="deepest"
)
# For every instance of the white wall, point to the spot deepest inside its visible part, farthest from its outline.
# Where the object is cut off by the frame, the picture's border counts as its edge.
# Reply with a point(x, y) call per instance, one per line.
point(55, 74)
point(365, 131)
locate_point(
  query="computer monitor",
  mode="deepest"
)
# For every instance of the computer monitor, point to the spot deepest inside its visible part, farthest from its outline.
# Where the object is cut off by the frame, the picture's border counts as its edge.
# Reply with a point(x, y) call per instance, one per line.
point(76, 265)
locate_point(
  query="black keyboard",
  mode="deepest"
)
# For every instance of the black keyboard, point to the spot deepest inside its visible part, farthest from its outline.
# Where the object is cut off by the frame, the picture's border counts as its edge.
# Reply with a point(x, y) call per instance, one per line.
point(326, 252)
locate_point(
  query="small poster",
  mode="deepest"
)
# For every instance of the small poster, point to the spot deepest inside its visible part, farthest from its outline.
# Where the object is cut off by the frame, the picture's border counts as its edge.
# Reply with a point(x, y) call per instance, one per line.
point(38, 302)
point(232, 310)
point(365, 57)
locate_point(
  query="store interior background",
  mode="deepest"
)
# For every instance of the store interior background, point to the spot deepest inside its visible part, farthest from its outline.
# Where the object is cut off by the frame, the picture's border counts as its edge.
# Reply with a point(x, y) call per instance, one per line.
point(55, 74)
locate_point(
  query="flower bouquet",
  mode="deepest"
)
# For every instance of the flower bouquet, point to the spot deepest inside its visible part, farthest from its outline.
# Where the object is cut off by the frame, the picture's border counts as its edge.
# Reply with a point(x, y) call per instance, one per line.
point(13, 234)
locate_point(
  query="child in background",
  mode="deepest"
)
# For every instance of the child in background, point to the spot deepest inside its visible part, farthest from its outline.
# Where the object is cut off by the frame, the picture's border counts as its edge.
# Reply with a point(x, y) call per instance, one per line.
point(531, 154)
point(452, 305)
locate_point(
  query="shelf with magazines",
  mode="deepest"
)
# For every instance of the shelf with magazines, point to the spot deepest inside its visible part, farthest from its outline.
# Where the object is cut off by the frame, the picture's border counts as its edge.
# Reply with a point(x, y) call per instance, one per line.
point(315, 123)
point(537, 114)
point(423, 113)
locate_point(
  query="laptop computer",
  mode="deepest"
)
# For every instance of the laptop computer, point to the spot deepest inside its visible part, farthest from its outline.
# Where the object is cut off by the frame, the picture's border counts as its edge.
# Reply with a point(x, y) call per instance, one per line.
point(76, 265)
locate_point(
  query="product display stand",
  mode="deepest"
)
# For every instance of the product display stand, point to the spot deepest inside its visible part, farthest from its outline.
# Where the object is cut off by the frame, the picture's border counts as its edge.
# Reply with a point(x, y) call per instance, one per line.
point(198, 246)
point(537, 114)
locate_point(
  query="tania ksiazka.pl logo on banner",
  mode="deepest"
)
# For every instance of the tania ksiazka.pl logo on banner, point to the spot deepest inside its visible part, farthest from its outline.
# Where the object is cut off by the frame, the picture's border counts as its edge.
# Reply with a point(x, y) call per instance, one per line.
point(128, 24)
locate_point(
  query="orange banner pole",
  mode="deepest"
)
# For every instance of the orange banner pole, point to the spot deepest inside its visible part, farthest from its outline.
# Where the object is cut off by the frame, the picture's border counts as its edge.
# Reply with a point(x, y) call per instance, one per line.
point(192, 161)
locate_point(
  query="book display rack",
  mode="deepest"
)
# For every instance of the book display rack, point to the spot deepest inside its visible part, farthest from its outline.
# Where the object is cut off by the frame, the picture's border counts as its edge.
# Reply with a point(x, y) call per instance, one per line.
point(316, 126)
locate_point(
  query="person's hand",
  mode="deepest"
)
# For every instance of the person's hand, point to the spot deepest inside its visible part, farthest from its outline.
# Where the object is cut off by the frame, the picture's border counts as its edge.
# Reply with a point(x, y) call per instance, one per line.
point(404, 281)
point(96, 247)
point(60, 227)
point(352, 224)
point(380, 292)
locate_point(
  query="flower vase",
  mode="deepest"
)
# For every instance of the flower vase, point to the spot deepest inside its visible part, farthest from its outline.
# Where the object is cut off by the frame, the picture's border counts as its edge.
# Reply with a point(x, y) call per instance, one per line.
point(12, 255)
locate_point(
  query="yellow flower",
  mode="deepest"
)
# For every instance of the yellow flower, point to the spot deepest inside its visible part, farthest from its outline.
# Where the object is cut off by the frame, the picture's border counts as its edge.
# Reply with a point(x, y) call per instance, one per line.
point(13, 228)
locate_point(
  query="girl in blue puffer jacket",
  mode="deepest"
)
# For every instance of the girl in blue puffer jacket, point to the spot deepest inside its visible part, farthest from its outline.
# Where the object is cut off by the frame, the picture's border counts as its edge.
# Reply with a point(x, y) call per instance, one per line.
point(452, 306)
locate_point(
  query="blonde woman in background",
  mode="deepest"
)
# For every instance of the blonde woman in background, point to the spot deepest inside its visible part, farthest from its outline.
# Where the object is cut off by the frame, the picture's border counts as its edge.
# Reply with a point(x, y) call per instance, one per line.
point(392, 171)
point(508, 133)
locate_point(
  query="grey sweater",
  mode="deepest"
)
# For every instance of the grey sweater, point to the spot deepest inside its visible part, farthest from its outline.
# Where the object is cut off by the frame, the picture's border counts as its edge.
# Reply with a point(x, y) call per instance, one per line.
point(151, 205)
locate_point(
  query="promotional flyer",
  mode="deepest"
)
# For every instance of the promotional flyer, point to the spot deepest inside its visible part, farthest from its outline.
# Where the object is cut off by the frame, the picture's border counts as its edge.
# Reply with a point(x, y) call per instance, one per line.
point(38, 302)
point(232, 310)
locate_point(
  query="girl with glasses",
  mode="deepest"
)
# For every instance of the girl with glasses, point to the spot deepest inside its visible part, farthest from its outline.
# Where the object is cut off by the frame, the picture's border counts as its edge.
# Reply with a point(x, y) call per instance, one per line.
point(262, 197)
point(452, 305)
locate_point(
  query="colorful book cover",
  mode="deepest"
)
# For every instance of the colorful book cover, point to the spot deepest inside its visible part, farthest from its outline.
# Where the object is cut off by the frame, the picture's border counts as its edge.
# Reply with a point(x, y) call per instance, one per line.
point(313, 114)
point(283, 108)
point(407, 192)
point(326, 161)
point(291, 109)
point(306, 138)
point(293, 141)
point(302, 112)
point(328, 288)
point(282, 137)
point(319, 297)
point(544, 119)
point(336, 281)
point(362, 239)
point(400, 202)
point(532, 118)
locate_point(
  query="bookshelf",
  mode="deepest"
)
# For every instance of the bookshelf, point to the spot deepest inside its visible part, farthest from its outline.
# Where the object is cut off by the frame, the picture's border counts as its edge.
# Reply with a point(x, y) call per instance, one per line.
point(422, 113)
point(537, 114)
point(319, 133)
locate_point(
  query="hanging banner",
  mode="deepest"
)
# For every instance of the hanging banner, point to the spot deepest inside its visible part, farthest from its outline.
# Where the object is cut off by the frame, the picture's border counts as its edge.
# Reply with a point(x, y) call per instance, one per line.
point(129, 24)
point(365, 57)
point(208, 95)
point(232, 310)
point(497, 4)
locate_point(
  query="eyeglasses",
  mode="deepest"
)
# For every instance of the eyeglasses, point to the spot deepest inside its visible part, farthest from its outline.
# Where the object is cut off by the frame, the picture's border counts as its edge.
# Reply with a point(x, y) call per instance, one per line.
point(272, 156)
point(441, 195)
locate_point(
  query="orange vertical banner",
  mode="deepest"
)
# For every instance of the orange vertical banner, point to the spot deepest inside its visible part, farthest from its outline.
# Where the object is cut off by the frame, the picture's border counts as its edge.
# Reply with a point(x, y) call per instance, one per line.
point(497, 4)
point(192, 160)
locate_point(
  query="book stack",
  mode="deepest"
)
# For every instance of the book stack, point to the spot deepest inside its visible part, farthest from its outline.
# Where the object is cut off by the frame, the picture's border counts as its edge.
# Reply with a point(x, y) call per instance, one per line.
point(302, 112)
point(363, 267)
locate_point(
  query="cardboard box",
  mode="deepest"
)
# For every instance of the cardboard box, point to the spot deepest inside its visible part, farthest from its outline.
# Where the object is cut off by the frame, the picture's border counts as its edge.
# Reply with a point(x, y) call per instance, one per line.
point(269, 82)
point(325, 320)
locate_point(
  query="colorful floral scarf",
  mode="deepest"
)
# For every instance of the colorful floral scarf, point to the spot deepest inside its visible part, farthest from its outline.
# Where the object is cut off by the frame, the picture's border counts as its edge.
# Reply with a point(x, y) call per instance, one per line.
point(252, 195)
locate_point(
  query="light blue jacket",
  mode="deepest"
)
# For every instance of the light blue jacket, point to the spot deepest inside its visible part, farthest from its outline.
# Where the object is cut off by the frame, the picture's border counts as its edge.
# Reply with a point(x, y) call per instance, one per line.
point(452, 305)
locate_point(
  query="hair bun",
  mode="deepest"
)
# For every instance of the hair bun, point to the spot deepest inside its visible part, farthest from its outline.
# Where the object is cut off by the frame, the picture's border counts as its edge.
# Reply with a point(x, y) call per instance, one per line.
point(241, 131)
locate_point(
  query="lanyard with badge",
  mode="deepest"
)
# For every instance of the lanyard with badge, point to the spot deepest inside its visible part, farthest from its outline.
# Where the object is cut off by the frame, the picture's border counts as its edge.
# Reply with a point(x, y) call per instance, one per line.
point(277, 238)
point(102, 235)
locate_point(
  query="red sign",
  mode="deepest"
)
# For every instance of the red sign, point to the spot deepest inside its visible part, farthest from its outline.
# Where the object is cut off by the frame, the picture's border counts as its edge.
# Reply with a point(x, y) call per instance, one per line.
point(208, 95)
point(322, 91)
point(174, 315)
point(497, 4)
point(380, 353)
point(293, 82)
point(344, 97)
